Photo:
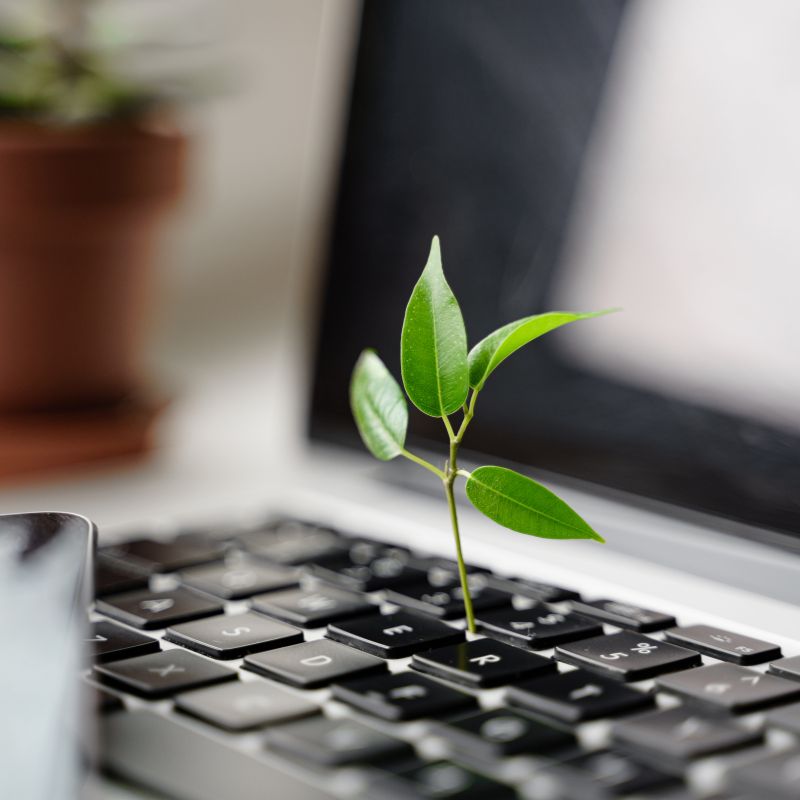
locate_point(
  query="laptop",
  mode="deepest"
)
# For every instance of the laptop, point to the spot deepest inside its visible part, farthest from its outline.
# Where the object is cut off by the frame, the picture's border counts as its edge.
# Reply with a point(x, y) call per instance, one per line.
point(316, 648)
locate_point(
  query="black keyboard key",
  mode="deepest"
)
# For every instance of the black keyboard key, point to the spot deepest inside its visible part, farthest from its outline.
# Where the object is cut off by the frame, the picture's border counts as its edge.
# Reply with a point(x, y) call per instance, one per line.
point(111, 577)
point(603, 774)
point(447, 602)
point(482, 663)
point(244, 705)
point(394, 635)
point(110, 642)
point(162, 674)
point(487, 735)
point(723, 644)
point(150, 610)
point(314, 664)
point(786, 667)
point(313, 608)
point(239, 578)
point(577, 696)
point(233, 635)
point(787, 718)
point(148, 556)
point(538, 627)
point(627, 656)
point(535, 590)
point(440, 780)
point(444, 571)
point(402, 696)
point(102, 702)
point(772, 775)
point(335, 742)
point(382, 572)
point(293, 543)
point(624, 615)
point(731, 687)
point(680, 734)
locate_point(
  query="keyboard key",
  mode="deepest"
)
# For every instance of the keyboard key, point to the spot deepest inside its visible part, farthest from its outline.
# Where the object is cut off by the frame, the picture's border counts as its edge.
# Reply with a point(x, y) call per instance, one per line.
point(787, 718)
point(312, 608)
point(624, 615)
point(385, 570)
point(241, 578)
point(101, 701)
point(724, 645)
point(538, 627)
point(148, 556)
point(110, 642)
point(440, 780)
point(292, 543)
point(535, 590)
point(482, 663)
point(680, 734)
point(495, 734)
point(111, 577)
point(335, 742)
point(233, 635)
point(149, 610)
point(241, 705)
point(394, 635)
point(402, 696)
point(314, 664)
point(604, 774)
point(162, 674)
point(731, 687)
point(775, 776)
point(627, 656)
point(577, 696)
point(447, 602)
point(786, 667)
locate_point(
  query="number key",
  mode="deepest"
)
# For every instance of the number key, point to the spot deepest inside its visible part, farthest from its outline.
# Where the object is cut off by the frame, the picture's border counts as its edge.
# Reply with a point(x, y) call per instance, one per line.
point(723, 644)
point(624, 615)
point(111, 642)
point(312, 608)
point(539, 628)
point(627, 656)
point(158, 609)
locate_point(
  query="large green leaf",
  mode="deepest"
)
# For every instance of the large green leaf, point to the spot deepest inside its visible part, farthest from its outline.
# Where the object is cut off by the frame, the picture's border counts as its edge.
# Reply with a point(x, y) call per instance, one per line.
point(379, 408)
point(498, 346)
point(433, 346)
point(523, 505)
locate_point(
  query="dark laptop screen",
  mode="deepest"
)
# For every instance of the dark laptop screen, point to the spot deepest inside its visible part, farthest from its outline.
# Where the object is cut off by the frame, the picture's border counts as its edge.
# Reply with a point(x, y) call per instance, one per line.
point(471, 120)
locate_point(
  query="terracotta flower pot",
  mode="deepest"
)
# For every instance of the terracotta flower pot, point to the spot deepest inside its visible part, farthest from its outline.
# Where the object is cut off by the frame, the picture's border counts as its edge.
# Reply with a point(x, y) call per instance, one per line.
point(79, 210)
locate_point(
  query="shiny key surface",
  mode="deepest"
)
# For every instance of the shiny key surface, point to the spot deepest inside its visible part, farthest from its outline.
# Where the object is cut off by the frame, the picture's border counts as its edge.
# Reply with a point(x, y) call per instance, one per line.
point(335, 742)
point(111, 577)
point(394, 635)
point(577, 696)
point(447, 601)
point(538, 628)
point(150, 610)
point(786, 667)
point(241, 706)
point(149, 556)
point(495, 734)
point(534, 590)
point(681, 734)
point(624, 615)
point(482, 663)
point(724, 645)
point(110, 642)
point(313, 608)
point(162, 674)
point(314, 664)
point(786, 717)
point(292, 543)
point(627, 656)
point(230, 636)
point(731, 687)
point(239, 578)
point(774, 776)
point(402, 696)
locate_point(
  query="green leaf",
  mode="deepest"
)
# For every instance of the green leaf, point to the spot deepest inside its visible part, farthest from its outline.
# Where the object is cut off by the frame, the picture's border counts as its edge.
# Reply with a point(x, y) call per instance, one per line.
point(490, 352)
point(379, 408)
point(523, 505)
point(433, 347)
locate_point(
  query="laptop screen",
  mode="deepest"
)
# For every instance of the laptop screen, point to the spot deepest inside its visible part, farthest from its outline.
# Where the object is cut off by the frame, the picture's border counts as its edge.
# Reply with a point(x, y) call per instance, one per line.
point(486, 124)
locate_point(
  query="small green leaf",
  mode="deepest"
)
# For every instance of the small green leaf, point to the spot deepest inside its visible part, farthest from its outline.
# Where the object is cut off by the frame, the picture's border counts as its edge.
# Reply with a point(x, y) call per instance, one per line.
point(433, 346)
point(523, 505)
point(498, 346)
point(379, 408)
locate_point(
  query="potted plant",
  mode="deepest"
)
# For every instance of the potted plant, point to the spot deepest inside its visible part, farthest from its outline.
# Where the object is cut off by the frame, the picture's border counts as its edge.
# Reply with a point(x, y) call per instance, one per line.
point(90, 161)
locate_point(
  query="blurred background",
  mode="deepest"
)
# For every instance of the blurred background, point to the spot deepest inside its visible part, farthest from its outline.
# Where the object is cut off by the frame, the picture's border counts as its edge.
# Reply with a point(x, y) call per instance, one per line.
point(683, 213)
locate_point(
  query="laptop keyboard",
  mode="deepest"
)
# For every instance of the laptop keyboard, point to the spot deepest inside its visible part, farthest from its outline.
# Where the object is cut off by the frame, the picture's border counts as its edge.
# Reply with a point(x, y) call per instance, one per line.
point(340, 656)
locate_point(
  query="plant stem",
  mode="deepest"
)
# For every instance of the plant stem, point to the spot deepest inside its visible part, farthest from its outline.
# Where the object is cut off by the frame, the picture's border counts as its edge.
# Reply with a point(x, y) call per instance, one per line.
point(462, 569)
